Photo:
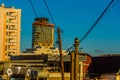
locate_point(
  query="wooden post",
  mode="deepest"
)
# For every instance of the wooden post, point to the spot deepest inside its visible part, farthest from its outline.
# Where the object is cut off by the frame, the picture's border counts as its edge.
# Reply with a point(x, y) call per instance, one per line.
point(76, 44)
point(72, 65)
point(61, 55)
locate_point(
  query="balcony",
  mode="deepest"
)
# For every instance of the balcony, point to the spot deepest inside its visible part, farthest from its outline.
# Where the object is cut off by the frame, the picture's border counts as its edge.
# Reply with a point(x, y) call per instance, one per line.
point(8, 40)
point(11, 37)
point(11, 17)
point(13, 21)
point(12, 43)
point(12, 24)
point(11, 30)
point(9, 51)
point(13, 14)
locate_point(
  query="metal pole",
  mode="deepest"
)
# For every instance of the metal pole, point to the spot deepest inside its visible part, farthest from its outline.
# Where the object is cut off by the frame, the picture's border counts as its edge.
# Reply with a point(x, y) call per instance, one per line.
point(61, 55)
point(76, 44)
point(72, 66)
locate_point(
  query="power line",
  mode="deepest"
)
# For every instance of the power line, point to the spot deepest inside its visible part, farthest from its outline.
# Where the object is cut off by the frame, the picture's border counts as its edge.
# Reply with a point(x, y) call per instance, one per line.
point(112, 6)
point(96, 22)
point(94, 25)
point(116, 2)
point(52, 18)
point(49, 11)
point(33, 8)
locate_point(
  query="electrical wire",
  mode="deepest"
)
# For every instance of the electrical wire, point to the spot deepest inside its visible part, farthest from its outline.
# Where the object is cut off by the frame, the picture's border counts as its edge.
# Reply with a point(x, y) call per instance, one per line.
point(33, 8)
point(116, 2)
point(52, 18)
point(42, 30)
point(96, 22)
point(49, 12)
point(58, 30)
point(94, 25)
point(112, 6)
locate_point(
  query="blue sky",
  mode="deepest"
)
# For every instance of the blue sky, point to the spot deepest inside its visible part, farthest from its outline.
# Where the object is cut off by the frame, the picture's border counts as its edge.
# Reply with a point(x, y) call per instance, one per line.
point(74, 17)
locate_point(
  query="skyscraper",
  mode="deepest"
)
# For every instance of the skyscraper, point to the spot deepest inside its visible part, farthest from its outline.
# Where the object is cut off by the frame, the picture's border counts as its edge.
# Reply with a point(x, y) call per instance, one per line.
point(10, 22)
point(43, 38)
point(42, 33)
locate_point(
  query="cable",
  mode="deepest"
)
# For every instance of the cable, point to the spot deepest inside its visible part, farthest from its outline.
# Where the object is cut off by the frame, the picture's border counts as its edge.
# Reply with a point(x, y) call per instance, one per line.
point(33, 9)
point(96, 22)
point(49, 12)
point(93, 26)
point(116, 2)
point(112, 6)
point(51, 16)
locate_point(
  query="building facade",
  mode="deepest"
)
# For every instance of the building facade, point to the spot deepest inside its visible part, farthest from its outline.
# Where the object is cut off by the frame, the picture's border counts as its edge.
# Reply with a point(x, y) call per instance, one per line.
point(41, 67)
point(10, 22)
point(42, 33)
point(105, 67)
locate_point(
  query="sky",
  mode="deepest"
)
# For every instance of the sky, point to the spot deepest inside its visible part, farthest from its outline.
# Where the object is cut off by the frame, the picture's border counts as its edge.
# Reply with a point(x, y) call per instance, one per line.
point(75, 18)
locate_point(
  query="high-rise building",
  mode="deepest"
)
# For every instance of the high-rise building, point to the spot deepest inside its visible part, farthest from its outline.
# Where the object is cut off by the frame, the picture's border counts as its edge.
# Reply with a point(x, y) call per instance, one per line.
point(42, 33)
point(10, 22)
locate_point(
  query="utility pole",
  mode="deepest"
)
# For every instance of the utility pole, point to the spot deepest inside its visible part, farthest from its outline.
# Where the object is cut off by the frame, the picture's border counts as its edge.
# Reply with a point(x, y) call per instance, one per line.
point(76, 44)
point(72, 59)
point(61, 55)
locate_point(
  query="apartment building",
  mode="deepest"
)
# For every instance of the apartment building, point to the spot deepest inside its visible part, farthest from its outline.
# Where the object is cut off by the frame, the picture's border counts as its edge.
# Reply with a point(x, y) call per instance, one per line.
point(10, 22)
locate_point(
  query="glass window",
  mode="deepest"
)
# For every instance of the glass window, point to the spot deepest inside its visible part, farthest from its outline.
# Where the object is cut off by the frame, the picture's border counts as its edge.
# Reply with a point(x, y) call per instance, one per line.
point(7, 13)
point(7, 20)
point(7, 27)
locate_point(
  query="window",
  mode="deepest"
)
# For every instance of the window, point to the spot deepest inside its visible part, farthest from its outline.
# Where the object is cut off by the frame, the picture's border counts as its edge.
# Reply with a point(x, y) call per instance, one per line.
point(7, 13)
point(7, 33)
point(7, 20)
point(7, 27)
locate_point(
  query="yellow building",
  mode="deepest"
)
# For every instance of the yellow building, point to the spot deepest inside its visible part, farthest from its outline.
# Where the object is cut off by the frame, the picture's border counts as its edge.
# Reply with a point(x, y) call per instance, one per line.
point(10, 22)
